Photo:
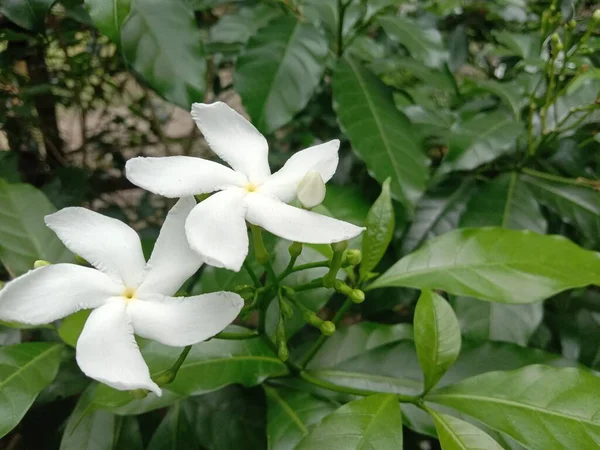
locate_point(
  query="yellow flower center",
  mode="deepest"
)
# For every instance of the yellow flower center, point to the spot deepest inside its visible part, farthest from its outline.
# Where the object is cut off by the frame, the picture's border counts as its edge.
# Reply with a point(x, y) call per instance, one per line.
point(128, 294)
point(250, 187)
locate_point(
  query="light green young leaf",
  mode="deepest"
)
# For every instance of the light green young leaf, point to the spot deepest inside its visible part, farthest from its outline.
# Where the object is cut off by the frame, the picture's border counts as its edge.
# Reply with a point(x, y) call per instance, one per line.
point(108, 16)
point(372, 422)
point(163, 45)
point(543, 408)
point(379, 133)
point(380, 229)
point(176, 431)
point(496, 264)
point(437, 336)
point(25, 369)
point(28, 14)
point(279, 71)
point(291, 415)
point(24, 237)
point(456, 434)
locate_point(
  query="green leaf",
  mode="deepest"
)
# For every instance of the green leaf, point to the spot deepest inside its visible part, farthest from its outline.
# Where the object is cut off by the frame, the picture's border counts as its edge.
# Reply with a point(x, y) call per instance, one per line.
point(372, 422)
point(541, 407)
point(496, 264)
point(581, 93)
point(423, 43)
point(128, 435)
point(479, 140)
point(28, 14)
point(346, 203)
point(524, 45)
point(108, 16)
point(71, 326)
point(380, 230)
point(291, 415)
point(437, 213)
point(431, 122)
point(380, 134)
point(507, 202)
point(163, 45)
point(511, 94)
point(279, 71)
point(437, 79)
point(437, 336)
point(24, 238)
point(176, 430)
point(231, 418)
point(579, 206)
point(25, 369)
point(239, 26)
point(483, 321)
point(456, 434)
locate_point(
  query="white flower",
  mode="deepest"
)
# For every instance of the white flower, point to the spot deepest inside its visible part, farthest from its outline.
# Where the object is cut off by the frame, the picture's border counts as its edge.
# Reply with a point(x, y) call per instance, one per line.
point(216, 228)
point(127, 294)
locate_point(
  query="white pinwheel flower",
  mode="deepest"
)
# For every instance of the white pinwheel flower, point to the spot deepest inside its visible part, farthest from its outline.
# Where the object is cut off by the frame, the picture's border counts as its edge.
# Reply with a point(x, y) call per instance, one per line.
point(216, 228)
point(127, 294)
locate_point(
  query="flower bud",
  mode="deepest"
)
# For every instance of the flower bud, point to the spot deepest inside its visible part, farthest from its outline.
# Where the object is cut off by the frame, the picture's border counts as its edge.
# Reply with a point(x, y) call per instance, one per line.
point(342, 287)
point(357, 296)
point(596, 16)
point(295, 249)
point(339, 246)
point(41, 263)
point(312, 319)
point(139, 393)
point(286, 309)
point(311, 190)
point(282, 351)
point(165, 378)
point(327, 328)
point(572, 24)
point(353, 257)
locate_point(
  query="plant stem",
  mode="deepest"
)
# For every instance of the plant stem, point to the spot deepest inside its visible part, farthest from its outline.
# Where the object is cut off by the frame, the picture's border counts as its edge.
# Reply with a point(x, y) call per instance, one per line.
point(255, 279)
point(314, 284)
point(236, 336)
point(340, 31)
point(582, 182)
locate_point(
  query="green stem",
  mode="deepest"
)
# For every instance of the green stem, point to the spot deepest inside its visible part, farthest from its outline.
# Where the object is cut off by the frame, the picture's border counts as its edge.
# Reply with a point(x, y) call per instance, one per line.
point(340, 31)
point(314, 284)
point(260, 251)
point(169, 375)
point(289, 269)
point(236, 336)
point(255, 279)
point(550, 177)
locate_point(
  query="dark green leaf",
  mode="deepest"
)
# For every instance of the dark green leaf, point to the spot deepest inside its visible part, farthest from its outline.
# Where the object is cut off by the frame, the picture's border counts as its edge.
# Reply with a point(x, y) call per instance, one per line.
point(28, 14)
point(496, 264)
point(347, 203)
point(524, 45)
point(576, 106)
point(539, 406)
point(579, 206)
point(431, 122)
point(483, 321)
point(423, 43)
point(456, 434)
point(163, 45)
point(128, 435)
point(279, 71)
point(380, 134)
point(380, 230)
point(437, 79)
point(238, 27)
point(25, 369)
point(108, 16)
point(504, 202)
point(292, 415)
point(437, 336)
point(176, 430)
point(509, 93)
point(24, 238)
point(372, 422)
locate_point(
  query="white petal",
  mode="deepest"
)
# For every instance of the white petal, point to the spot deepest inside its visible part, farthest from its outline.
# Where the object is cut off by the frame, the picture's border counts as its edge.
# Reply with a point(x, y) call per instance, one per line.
point(234, 139)
point(321, 158)
point(180, 176)
point(180, 321)
point(172, 261)
point(216, 229)
point(107, 351)
point(297, 224)
point(106, 243)
point(53, 292)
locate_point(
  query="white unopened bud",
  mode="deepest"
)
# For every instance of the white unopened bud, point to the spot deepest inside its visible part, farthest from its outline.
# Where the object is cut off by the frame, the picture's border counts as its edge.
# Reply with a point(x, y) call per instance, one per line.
point(311, 190)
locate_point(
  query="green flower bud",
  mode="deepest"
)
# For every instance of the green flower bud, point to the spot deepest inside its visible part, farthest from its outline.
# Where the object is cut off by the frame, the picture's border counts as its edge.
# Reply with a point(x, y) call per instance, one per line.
point(342, 287)
point(555, 38)
point(572, 24)
point(295, 249)
point(357, 296)
point(327, 328)
point(165, 378)
point(596, 16)
point(286, 309)
point(41, 263)
point(139, 393)
point(311, 190)
point(282, 351)
point(312, 319)
point(288, 291)
point(353, 257)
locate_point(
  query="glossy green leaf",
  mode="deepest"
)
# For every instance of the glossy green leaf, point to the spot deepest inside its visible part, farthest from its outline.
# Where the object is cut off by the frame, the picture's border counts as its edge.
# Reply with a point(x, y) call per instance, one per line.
point(456, 434)
point(347, 203)
point(292, 415)
point(162, 43)
point(24, 237)
point(372, 422)
point(524, 45)
point(390, 67)
point(511, 94)
point(380, 230)
point(481, 139)
point(380, 134)
point(239, 26)
point(577, 205)
point(69, 380)
point(176, 431)
point(279, 71)
point(108, 16)
point(231, 418)
point(576, 106)
point(128, 435)
point(437, 336)
point(482, 321)
point(507, 202)
point(25, 369)
point(496, 264)
point(431, 122)
point(541, 407)
point(437, 213)
point(71, 326)
point(423, 43)
point(28, 14)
